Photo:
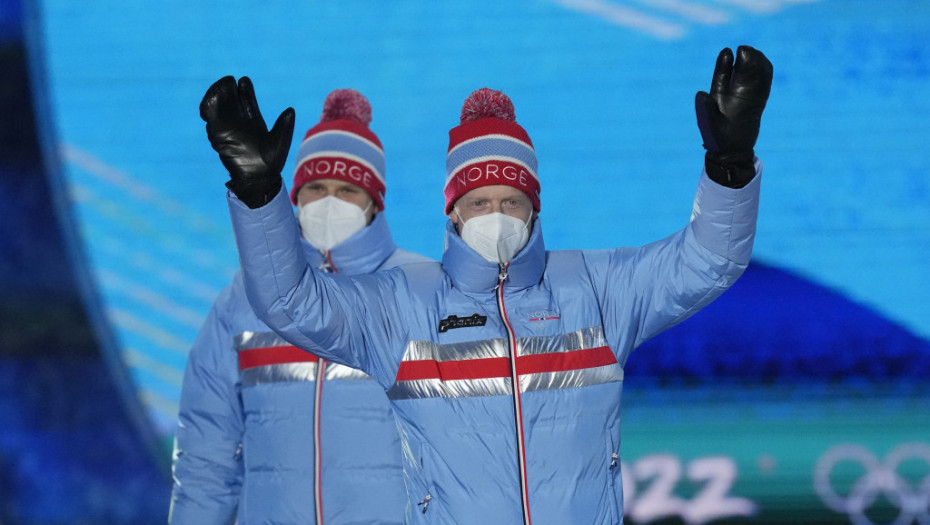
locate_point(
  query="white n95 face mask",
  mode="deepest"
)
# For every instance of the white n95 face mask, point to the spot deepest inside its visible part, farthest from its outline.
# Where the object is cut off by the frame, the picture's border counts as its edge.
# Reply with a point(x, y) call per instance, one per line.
point(326, 222)
point(496, 236)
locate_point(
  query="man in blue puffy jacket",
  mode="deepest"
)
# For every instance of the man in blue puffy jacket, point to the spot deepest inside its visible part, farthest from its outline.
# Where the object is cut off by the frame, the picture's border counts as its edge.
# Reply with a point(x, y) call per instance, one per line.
point(271, 434)
point(504, 366)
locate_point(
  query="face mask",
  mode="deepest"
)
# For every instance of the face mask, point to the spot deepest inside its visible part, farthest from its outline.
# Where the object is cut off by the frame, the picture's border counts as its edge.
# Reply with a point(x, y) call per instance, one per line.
point(496, 237)
point(328, 221)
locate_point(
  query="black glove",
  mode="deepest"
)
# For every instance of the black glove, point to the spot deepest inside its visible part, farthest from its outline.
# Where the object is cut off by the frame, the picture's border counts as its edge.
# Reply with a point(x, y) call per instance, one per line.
point(252, 155)
point(730, 115)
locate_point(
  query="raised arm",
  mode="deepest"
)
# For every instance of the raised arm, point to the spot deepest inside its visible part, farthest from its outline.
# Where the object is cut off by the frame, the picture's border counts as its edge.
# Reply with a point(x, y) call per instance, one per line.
point(648, 289)
point(340, 319)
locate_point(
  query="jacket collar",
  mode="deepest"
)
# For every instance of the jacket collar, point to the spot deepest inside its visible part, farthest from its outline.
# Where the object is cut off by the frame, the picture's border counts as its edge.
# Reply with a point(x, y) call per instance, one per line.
point(470, 272)
point(363, 252)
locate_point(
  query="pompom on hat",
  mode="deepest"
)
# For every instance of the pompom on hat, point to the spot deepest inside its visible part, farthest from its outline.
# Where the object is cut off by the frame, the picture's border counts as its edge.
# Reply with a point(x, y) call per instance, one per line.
point(342, 147)
point(489, 147)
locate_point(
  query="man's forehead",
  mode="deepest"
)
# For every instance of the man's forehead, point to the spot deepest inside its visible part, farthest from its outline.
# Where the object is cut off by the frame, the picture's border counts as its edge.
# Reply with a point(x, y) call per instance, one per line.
point(494, 191)
point(335, 183)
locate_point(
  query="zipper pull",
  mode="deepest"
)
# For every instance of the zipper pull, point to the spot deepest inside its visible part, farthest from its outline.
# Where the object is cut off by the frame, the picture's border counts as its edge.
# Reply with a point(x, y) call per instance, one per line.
point(327, 264)
point(425, 502)
point(613, 460)
point(502, 272)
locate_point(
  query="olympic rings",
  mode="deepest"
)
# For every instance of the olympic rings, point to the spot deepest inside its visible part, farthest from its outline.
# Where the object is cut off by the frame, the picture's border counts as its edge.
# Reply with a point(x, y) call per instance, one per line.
point(880, 478)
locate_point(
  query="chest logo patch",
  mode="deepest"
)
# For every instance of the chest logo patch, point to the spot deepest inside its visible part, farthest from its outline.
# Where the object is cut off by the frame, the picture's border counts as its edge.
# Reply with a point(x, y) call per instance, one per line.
point(454, 321)
point(543, 315)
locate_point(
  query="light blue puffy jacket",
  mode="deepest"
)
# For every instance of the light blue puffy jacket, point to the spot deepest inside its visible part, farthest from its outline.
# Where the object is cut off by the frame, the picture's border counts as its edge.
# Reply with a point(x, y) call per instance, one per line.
point(247, 442)
point(446, 344)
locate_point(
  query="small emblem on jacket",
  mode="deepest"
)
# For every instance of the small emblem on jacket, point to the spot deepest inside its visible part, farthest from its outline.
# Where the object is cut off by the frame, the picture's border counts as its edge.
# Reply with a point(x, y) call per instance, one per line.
point(544, 315)
point(454, 321)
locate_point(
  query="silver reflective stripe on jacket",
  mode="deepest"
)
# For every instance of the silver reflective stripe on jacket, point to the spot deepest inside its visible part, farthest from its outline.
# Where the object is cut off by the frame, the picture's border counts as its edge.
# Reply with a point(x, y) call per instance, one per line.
point(264, 357)
point(481, 368)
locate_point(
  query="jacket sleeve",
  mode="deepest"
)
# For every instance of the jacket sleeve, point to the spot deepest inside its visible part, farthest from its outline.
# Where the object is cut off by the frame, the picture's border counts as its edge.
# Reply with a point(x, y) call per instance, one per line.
point(207, 468)
point(645, 290)
point(351, 320)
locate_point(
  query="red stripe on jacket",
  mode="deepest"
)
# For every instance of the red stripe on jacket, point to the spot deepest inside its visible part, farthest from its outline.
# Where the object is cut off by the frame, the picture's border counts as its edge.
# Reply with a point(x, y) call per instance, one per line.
point(494, 367)
point(273, 355)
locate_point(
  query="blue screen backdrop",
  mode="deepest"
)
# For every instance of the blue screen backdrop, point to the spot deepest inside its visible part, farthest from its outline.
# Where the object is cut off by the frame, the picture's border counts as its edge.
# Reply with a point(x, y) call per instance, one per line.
point(813, 363)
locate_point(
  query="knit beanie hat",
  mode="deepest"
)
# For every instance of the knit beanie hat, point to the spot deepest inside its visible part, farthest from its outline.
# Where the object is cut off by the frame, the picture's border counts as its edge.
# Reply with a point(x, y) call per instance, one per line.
point(342, 147)
point(489, 147)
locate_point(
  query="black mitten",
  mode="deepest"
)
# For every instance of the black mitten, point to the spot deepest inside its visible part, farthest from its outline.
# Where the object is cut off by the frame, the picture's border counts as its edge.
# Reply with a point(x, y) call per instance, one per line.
point(730, 115)
point(252, 155)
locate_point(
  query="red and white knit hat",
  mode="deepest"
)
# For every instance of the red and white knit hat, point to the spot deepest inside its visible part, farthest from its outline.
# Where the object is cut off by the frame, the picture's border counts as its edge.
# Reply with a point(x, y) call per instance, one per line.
point(342, 147)
point(489, 147)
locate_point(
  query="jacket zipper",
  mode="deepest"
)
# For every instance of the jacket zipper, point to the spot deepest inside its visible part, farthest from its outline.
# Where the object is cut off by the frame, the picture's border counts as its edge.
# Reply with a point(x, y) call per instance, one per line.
point(317, 420)
point(515, 381)
point(317, 456)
